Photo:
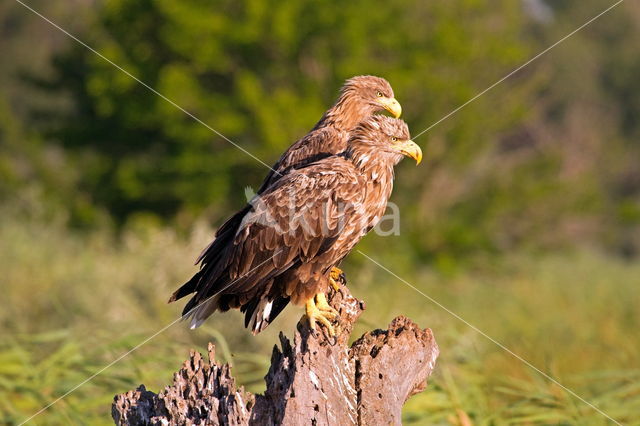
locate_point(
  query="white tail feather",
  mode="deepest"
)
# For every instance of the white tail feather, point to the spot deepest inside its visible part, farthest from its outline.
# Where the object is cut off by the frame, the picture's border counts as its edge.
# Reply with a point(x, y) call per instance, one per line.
point(201, 312)
point(260, 315)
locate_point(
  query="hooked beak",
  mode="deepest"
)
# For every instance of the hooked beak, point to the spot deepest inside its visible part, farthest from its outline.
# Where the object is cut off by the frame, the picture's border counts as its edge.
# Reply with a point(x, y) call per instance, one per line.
point(410, 149)
point(391, 105)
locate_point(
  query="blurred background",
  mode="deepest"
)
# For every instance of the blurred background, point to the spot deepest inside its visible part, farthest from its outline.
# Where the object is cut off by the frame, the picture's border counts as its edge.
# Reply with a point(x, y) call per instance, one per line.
point(523, 219)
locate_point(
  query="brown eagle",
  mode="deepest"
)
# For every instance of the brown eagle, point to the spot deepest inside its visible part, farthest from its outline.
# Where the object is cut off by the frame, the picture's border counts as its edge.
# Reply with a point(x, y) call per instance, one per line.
point(360, 97)
point(300, 227)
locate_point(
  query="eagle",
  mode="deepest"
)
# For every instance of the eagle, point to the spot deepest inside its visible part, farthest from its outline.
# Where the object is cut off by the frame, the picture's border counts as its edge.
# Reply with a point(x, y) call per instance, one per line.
point(300, 227)
point(360, 97)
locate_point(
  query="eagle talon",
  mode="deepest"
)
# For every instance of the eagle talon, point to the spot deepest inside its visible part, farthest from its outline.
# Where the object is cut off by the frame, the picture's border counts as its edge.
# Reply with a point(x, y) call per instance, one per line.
point(334, 284)
point(314, 314)
point(336, 276)
point(323, 305)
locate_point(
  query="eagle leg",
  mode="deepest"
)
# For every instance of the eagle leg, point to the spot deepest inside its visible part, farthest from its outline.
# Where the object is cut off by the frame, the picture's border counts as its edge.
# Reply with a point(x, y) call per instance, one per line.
point(315, 314)
point(336, 276)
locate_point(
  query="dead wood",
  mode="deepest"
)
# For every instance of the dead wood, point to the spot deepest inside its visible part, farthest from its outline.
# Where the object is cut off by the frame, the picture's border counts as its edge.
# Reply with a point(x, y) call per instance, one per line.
point(313, 380)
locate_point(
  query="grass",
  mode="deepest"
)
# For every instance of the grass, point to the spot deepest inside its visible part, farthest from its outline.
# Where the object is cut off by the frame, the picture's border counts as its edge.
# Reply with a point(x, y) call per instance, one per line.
point(72, 303)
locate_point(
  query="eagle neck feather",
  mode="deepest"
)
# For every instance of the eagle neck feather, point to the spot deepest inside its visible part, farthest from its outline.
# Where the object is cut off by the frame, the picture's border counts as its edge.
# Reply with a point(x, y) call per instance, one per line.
point(346, 113)
point(375, 165)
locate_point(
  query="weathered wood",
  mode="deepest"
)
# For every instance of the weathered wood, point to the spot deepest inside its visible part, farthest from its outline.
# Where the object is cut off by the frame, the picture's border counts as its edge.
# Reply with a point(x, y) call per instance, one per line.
point(202, 393)
point(314, 380)
point(391, 366)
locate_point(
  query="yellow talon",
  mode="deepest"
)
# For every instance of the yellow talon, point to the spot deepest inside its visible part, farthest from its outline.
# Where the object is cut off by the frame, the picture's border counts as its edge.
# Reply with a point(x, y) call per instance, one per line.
point(323, 305)
point(334, 284)
point(314, 314)
point(335, 276)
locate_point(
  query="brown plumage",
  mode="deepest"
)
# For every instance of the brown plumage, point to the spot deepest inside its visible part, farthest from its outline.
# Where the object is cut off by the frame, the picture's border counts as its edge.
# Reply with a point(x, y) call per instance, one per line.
point(302, 226)
point(360, 97)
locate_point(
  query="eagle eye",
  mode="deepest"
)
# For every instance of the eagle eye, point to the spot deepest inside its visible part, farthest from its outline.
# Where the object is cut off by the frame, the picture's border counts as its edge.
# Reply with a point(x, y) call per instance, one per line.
point(394, 139)
point(379, 93)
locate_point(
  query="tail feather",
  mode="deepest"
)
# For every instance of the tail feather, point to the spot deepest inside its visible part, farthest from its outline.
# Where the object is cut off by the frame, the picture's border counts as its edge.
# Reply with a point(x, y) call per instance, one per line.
point(261, 312)
point(186, 288)
point(211, 260)
point(214, 276)
point(224, 234)
point(201, 312)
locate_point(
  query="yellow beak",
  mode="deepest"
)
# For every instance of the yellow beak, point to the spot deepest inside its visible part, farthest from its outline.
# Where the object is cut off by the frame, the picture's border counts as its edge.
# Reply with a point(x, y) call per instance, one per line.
point(391, 105)
point(410, 149)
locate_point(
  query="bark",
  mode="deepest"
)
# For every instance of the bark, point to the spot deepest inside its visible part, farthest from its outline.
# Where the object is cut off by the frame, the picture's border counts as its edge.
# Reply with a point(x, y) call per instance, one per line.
point(313, 380)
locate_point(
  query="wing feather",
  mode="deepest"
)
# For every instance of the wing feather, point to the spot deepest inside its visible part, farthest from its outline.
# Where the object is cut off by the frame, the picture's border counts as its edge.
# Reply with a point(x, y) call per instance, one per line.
point(295, 234)
point(292, 222)
point(316, 145)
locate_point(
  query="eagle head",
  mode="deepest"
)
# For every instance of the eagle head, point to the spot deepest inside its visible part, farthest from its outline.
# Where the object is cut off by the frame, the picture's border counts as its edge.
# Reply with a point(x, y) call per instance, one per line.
point(373, 93)
point(383, 137)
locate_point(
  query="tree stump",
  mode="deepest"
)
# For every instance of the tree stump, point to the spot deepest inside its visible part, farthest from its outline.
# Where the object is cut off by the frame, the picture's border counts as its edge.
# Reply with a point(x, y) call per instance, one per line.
point(317, 380)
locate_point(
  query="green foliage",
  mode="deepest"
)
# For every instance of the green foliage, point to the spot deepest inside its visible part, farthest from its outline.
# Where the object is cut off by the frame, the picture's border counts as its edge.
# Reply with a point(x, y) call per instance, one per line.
point(544, 160)
point(73, 303)
point(261, 73)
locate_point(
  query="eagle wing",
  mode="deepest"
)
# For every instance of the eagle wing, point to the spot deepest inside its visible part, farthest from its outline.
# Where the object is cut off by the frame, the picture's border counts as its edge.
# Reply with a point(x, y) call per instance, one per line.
point(297, 219)
point(314, 146)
